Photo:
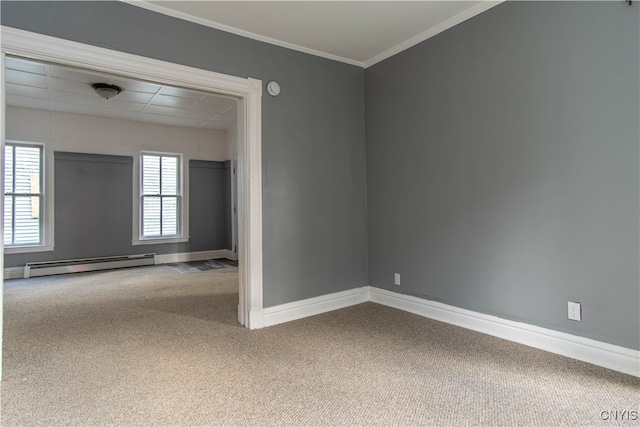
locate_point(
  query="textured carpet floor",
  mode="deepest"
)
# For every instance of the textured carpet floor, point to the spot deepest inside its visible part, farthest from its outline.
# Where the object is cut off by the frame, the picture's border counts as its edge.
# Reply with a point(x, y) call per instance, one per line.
point(153, 346)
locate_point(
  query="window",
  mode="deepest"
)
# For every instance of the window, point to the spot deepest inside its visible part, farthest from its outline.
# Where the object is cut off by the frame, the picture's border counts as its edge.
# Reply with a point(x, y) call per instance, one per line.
point(23, 195)
point(160, 195)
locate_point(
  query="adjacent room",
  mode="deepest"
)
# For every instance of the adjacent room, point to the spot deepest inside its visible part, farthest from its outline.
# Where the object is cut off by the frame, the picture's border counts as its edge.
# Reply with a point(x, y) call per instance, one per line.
point(143, 169)
point(445, 198)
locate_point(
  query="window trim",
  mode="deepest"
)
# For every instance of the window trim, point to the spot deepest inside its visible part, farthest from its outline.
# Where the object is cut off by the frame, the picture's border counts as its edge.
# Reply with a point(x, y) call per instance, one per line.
point(47, 210)
point(183, 221)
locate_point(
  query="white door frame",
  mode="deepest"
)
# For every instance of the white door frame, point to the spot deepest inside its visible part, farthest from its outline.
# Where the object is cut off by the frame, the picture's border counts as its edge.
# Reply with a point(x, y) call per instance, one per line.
point(248, 90)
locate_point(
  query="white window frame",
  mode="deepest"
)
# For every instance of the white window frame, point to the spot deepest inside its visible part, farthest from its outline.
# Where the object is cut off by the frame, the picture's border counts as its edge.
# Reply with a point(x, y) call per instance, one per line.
point(47, 210)
point(183, 214)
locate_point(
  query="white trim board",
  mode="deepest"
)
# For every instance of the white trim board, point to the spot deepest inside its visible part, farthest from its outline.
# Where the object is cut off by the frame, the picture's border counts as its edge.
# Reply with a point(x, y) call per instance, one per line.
point(229, 255)
point(312, 306)
point(483, 6)
point(587, 350)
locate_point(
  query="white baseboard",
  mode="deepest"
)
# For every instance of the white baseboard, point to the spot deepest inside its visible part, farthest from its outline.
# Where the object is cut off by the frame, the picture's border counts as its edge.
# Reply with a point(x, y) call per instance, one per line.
point(230, 255)
point(13, 273)
point(312, 306)
point(587, 350)
point(256, 319)
point(190, 256)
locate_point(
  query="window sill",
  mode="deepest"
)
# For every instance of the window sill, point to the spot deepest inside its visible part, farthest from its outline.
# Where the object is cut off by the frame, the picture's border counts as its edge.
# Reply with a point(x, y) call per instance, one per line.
point(159, 241)
point(27, 249)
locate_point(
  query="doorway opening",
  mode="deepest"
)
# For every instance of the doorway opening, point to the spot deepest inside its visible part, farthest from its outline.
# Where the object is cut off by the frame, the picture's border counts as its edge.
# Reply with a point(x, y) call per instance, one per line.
point(248, 92)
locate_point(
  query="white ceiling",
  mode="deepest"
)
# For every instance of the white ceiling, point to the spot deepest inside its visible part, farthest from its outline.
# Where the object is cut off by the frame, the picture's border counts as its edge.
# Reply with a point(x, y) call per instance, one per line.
point(57, 88)
point(356, 32)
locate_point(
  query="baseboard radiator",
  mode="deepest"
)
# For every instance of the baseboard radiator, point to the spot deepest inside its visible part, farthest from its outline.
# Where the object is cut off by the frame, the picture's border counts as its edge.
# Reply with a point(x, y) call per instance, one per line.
point(35, 269)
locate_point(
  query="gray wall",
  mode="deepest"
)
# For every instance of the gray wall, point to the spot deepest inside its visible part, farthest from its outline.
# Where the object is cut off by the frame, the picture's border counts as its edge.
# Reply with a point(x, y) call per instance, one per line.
point(94, 209)
point(208, 182)
point(229, 216)
point(502, 165)
point(93, 206)
point(315, 234)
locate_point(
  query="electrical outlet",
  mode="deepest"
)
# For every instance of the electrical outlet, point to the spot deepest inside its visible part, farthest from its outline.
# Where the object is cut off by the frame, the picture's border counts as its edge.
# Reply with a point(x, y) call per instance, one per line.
point(575, 311)
point(396, 279)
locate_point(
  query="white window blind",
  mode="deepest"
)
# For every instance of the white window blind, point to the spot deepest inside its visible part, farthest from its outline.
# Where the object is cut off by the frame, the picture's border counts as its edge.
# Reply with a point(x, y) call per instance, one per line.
point(160, 195)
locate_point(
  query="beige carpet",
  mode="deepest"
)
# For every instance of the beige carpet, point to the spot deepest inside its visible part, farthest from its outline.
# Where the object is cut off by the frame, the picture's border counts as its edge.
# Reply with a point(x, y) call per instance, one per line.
point(155, 346)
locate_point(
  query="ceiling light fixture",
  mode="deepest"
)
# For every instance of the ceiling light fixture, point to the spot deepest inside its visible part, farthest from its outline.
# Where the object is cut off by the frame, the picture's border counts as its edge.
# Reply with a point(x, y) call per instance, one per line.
point(106, 91)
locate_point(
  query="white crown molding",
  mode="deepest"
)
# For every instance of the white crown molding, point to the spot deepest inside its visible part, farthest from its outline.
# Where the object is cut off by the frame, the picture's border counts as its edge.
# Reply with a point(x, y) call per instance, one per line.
point(226, 28)
point(445, 25)
point(587, 350)
point(433, 31)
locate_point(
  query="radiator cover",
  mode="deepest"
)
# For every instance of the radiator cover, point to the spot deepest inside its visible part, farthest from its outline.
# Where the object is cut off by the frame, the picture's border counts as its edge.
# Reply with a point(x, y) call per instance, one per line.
point(49, 268)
